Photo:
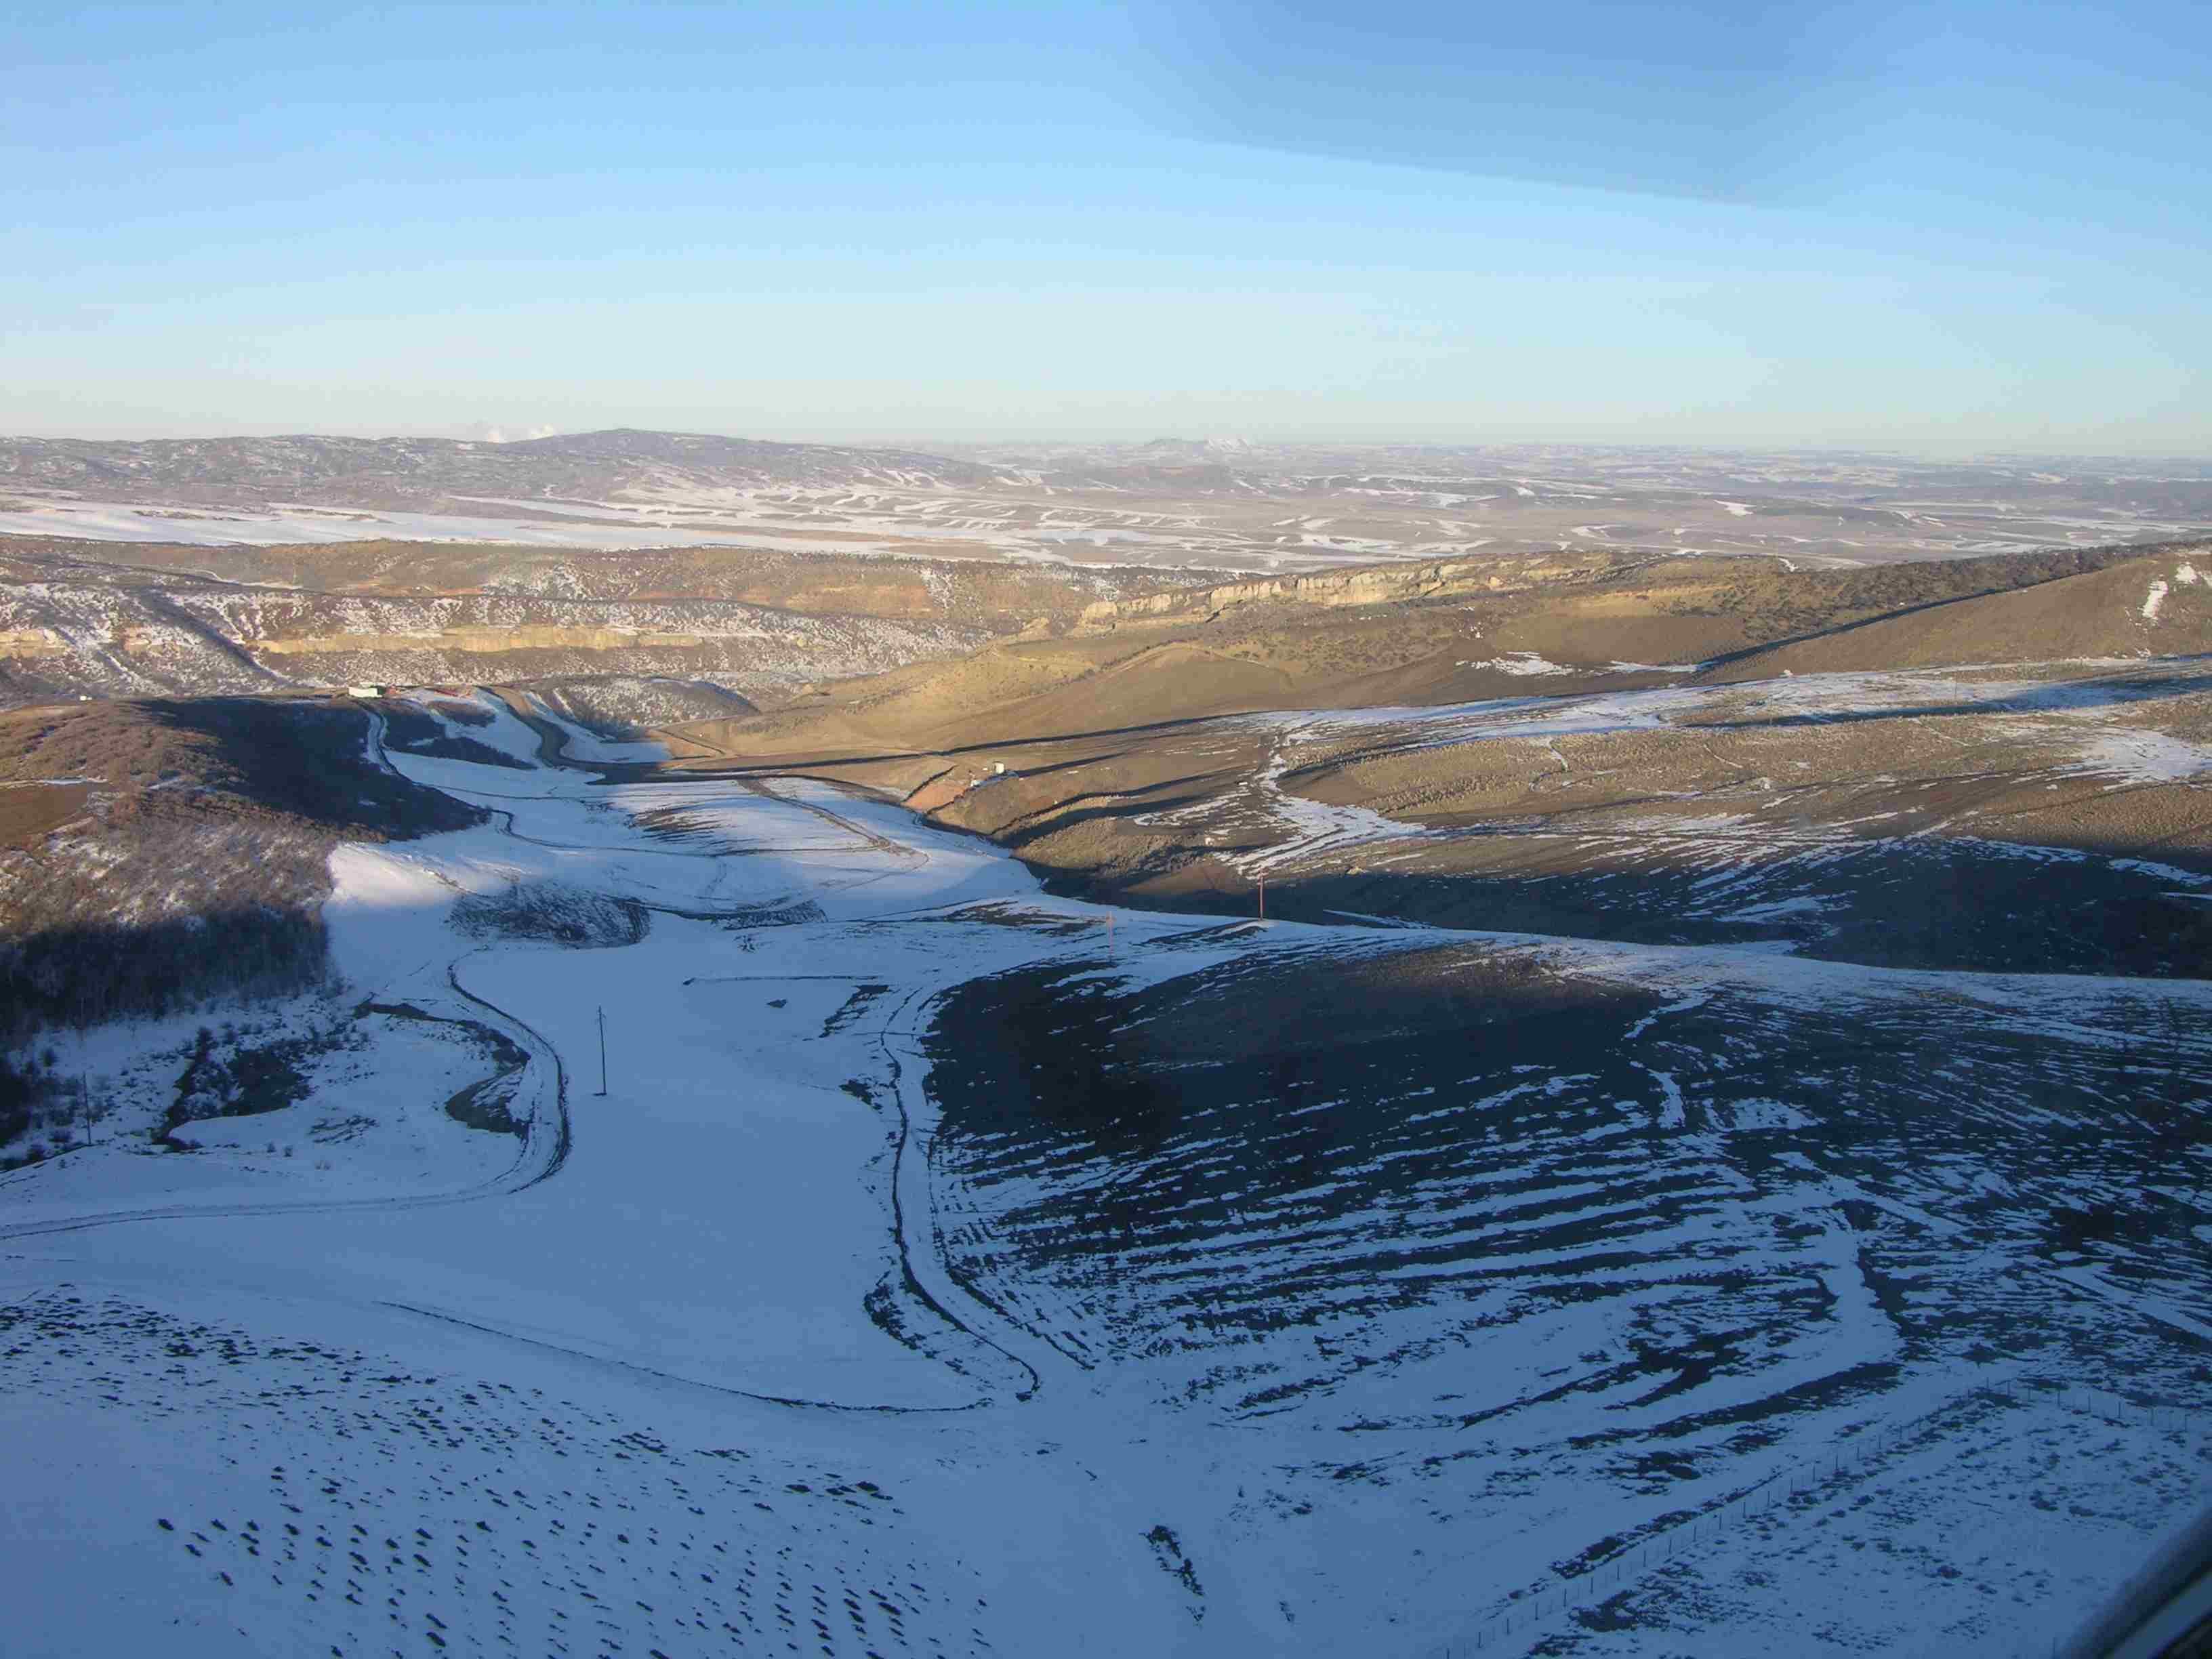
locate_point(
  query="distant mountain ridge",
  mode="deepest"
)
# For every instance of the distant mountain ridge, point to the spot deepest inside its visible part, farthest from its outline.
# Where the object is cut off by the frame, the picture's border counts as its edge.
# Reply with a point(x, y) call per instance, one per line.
point(1197, 446)
point(386, 473)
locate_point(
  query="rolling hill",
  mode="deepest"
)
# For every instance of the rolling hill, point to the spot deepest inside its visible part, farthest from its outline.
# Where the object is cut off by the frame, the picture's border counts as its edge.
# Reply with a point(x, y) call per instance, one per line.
point(1546, 1103)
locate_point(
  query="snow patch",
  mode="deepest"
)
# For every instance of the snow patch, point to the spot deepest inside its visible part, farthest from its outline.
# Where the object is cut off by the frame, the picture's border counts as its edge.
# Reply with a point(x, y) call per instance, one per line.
point(2143, 757)
point(1523, 663)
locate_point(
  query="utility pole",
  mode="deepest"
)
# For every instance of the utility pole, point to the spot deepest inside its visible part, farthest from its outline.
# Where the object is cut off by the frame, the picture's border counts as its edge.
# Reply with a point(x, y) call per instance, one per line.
point(1263, 899)
point(603, 1052)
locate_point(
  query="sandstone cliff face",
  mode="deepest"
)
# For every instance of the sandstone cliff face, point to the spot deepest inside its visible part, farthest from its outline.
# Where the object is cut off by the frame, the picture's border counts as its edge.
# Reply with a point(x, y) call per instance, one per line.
point(1373, 585)
point(106, 639)
point(178, 619)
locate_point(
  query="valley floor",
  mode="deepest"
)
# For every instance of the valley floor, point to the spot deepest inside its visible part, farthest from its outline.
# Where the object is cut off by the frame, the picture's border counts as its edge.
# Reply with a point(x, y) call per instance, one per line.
point(950, 1268)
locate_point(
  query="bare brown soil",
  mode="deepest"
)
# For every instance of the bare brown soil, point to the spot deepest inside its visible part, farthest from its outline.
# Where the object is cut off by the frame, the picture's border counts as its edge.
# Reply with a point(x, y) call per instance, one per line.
point(1125, 772)
point(2098, 613)
point(1608, 631)
point(29, 811)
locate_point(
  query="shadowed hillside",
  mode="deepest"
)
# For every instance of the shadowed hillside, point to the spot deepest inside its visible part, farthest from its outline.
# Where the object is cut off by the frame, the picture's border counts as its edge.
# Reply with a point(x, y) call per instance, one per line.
point(157, 853)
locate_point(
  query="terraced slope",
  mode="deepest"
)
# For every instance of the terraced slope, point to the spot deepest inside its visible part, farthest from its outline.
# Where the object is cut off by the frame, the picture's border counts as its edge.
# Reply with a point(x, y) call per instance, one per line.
point(1575, 1269)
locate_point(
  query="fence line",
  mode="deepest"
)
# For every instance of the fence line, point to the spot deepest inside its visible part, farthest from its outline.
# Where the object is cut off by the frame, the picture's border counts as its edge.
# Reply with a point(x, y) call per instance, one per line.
point(1662, 1545)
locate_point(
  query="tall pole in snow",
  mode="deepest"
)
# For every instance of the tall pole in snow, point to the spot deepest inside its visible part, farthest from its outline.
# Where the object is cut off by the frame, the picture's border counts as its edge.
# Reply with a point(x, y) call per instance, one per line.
point(603, 1052)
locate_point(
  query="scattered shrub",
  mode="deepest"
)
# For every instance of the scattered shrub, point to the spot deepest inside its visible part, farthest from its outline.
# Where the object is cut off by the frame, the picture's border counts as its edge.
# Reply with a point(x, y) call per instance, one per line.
point(551, 910)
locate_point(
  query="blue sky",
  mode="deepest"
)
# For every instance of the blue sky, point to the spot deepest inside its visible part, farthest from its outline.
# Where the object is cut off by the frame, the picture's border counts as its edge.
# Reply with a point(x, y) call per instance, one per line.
point(1949, 225)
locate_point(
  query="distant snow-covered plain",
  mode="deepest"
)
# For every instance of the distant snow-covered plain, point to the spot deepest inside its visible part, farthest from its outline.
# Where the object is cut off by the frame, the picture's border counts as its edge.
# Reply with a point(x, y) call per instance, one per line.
point(1156, 520)
point(782, 1344)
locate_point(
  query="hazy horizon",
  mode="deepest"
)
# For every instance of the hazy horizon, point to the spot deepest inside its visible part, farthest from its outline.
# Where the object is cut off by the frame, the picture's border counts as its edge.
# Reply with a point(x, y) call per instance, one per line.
point(1827, 227)
point(1961, 451)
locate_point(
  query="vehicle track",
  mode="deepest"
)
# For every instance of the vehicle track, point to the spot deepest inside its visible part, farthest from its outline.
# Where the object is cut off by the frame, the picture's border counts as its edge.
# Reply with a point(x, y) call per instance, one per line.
point(916, 1170)
point(541, 1158)
point(550, 1140)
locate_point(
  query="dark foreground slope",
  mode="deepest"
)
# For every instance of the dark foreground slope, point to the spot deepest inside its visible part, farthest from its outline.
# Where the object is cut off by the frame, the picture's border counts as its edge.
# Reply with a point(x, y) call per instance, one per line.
point(1568, 1254)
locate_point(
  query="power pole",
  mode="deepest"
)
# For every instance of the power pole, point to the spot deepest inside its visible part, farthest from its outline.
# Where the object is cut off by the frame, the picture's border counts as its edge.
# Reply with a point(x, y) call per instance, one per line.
point(1263, 899)
point(603, 1053)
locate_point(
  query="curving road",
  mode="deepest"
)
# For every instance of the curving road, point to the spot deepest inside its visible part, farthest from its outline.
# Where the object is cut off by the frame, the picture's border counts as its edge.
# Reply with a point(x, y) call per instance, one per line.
point(549, 1139)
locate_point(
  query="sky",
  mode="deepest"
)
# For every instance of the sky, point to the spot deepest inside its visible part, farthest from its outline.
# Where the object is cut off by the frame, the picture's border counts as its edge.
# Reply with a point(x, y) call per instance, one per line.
point(1946, 225)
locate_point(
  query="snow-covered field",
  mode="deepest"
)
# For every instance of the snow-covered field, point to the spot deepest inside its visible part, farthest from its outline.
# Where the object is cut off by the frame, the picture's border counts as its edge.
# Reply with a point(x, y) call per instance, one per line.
point(1230, 520)
point(800, 1339)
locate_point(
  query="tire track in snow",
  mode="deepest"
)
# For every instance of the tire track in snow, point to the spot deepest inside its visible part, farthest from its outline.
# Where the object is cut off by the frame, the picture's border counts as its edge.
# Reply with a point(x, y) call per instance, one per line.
point(538, 1163)
point(550, 1140)
point(904, 1168)
point(916, 1171)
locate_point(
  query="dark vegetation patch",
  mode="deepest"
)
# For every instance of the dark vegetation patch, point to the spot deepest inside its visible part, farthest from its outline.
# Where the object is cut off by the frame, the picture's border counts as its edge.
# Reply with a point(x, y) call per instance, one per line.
point(463, 712)
point(863, 998)
point(40, 1108)
point(740, 917)
point(484, 1104)
point(246, 1080)
point(677, 823)
point(81, 975)
point(241, 1071)
point(625, 708)
point(554, 911)
point(22, 1091)
point(1002, 913)
point(487, 1104)
point(304, 759)
point(1168, 1549)
point(420, 734)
